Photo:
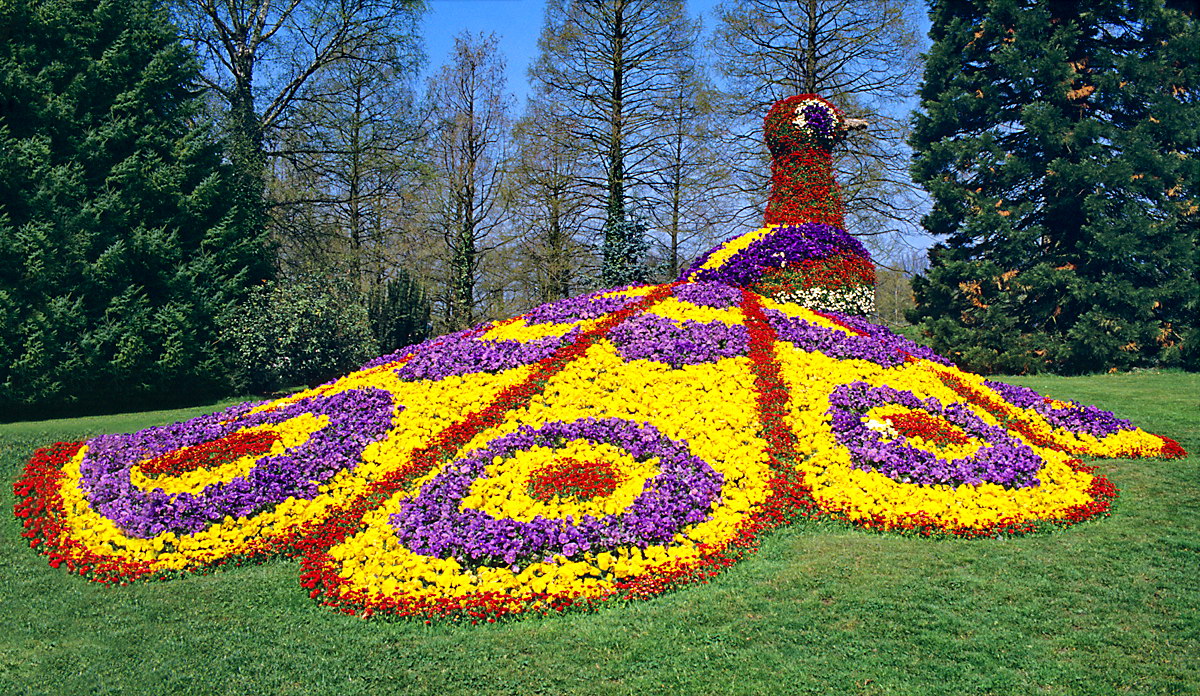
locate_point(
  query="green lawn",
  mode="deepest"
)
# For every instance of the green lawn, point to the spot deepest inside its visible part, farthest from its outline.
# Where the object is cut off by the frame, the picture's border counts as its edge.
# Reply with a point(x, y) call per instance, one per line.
point(1107, 607)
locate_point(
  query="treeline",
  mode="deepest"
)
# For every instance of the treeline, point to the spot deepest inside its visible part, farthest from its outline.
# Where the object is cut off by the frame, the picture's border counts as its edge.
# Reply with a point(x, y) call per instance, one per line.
point(201, 197)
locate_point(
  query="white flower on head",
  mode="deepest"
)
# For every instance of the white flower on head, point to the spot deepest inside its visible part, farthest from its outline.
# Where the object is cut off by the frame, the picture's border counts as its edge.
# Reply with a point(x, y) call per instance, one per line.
point(881, 427)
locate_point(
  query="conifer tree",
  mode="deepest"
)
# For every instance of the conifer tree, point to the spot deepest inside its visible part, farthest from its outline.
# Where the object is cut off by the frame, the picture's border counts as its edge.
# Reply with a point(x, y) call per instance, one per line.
point(1059, 143)
point(118, 249)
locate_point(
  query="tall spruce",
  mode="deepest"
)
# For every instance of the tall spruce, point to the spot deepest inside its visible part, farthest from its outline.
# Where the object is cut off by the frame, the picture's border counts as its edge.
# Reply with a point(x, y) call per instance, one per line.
point(1059, 143)
point(118, 248)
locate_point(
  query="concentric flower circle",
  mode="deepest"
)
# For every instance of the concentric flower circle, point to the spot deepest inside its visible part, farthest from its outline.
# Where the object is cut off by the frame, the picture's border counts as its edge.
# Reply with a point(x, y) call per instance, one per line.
point(894, 446)
point(123, 475)
point(437, 521)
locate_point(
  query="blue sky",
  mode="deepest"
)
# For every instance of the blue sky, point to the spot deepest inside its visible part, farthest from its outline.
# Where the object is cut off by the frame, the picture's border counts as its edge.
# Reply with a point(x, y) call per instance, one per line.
point(518, 23)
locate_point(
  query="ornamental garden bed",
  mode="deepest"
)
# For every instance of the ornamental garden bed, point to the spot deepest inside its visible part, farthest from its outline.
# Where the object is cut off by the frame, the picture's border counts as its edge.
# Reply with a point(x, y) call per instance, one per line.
point(821, 607)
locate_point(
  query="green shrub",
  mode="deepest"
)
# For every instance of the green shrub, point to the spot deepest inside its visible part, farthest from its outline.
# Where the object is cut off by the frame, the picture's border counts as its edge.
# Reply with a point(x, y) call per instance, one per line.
point(302, 331)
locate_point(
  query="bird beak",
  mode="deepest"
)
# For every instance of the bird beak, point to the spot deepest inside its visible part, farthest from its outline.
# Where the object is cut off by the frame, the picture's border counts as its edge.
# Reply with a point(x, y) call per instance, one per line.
point(856, 124)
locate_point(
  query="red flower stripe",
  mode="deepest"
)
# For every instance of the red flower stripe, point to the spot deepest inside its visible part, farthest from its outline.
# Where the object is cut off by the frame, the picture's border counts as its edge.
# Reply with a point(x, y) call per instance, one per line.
point(39, 506)
point(210, 454)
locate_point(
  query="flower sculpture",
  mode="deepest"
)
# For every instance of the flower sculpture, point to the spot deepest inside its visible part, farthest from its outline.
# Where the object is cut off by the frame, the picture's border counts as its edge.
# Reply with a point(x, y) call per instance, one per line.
point(606, 446)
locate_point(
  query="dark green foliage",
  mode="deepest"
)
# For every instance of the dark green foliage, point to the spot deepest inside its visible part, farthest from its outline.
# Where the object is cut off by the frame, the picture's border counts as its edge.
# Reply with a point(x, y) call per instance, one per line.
point(1059, 142)
point(304, 331)
point(399, 313)
point(118, 250)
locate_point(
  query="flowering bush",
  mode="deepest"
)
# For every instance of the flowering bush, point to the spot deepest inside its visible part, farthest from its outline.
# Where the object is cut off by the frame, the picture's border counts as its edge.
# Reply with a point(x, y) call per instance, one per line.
point(610, 446)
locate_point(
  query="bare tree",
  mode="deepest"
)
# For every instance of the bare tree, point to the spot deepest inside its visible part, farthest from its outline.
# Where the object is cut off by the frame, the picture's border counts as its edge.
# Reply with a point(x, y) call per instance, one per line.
point(691, 185)
point(862, 55)
point(468, 149)
point(260, 56)
point(352, 153)
point(607, 65)
point(548, 203)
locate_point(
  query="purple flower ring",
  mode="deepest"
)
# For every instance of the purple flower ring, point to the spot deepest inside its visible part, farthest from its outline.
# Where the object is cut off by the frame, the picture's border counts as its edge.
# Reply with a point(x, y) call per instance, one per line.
point(1071, 416)
point(351, 420)
point(1000, 458)
point(437, 521)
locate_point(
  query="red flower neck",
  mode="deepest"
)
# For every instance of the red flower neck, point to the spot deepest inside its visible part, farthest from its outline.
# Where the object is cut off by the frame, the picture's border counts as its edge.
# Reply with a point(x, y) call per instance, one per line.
point(803, 189)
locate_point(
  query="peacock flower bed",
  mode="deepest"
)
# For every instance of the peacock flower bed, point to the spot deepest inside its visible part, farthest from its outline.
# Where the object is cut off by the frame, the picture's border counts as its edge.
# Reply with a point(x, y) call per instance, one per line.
point(609, 446)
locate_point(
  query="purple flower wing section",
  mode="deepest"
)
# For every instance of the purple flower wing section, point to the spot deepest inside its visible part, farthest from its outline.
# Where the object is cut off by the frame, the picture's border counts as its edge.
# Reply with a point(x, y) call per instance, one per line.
point(463, 354)
point(653, 337)
point(786, 245)
point(896, 342)
point(580, 308)
point(1075, 418)
point(1001, 459)
point(356, 418)
point(714, 295)
point(681, 494)
point(833, 343)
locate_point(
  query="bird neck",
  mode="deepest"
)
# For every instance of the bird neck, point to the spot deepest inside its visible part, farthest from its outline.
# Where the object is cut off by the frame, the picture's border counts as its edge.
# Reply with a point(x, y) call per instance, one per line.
point(803, 189)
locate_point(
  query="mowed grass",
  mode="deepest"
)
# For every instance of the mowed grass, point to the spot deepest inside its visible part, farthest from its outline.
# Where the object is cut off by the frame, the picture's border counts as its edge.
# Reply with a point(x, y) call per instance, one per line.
point(1107, 607)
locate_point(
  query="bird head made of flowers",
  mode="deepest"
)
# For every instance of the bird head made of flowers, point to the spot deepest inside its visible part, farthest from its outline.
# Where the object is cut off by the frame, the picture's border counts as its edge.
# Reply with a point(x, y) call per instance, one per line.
point(803, 252)
point(806, 120)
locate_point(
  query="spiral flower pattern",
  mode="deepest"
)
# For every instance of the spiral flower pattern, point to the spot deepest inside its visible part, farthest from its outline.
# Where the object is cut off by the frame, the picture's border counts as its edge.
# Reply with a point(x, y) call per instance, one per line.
point(436, 522)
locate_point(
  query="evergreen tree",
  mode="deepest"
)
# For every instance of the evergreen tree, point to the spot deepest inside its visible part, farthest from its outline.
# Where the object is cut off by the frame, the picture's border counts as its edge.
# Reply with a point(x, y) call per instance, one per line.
point(118, 249)
point(625, 248)
point(1059, 143)
point(399, 313)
